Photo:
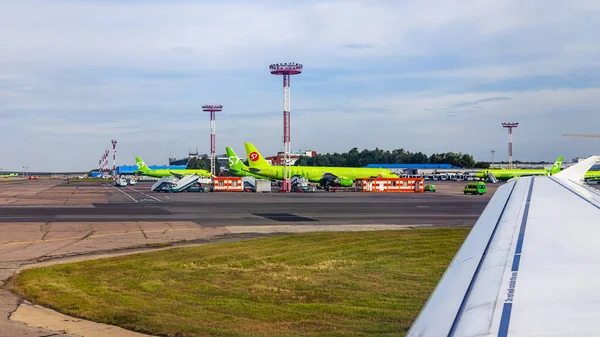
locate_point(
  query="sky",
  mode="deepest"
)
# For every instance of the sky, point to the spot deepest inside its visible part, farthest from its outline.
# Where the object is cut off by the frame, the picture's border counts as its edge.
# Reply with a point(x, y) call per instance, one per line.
point(431, 76)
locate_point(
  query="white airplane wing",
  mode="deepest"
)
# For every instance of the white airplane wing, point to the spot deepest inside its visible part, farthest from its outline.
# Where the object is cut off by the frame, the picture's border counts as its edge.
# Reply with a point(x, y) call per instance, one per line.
point(529, 267)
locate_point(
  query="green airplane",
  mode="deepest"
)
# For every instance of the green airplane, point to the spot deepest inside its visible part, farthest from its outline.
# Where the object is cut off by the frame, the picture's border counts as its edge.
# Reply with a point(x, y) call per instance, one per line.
point(237, 167)
point(9, 175)
point(592, 175)
point(505, 175)
point(143, 169)
point(324, 175)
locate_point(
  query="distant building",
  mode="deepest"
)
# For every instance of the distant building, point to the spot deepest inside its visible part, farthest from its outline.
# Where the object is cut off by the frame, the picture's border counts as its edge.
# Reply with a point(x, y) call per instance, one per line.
point(222, 160)
point(184, 161)
point(417, 169)
point(131, 169)
point(294, 156)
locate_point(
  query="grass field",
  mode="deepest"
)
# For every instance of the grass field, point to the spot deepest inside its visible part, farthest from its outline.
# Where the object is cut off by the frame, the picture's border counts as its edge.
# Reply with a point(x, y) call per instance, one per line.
point(325, 284)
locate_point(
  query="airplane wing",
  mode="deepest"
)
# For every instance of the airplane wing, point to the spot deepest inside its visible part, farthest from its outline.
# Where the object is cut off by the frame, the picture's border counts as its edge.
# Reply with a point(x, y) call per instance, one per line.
point(529, 267)
point(176, 175)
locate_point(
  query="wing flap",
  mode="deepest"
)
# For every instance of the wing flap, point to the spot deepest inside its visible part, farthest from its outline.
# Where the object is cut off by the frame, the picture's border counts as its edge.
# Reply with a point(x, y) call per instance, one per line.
point(449, 298)
point(538, 274)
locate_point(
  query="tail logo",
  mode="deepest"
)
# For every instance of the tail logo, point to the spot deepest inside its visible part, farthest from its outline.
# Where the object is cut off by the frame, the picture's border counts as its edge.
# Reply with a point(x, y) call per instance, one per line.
point(254, 156)
point(140, 165)
point(234, 160)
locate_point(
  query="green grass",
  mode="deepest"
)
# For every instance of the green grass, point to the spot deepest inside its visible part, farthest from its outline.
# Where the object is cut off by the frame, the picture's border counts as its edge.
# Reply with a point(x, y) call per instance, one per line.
point(315, 284)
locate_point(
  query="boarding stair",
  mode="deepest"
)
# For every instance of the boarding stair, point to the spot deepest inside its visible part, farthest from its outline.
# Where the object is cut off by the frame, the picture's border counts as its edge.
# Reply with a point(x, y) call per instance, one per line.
point(492, 179)
point(184, 183)
point(163, 183)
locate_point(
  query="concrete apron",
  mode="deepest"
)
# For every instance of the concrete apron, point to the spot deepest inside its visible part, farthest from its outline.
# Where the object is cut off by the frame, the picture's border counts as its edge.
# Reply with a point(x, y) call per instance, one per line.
point(36, 317)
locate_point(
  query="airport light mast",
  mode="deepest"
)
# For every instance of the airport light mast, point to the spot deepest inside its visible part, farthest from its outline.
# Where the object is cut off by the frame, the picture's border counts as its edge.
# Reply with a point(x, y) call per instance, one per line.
point(286, 70)
point(493, 151)
point(106, 153)
point(510, 126)
point(212, 109)
point(114, 144)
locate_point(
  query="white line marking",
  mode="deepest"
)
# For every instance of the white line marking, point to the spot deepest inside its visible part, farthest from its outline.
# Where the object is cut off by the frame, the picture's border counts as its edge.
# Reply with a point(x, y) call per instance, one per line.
point(120, 190)
point(149, 196)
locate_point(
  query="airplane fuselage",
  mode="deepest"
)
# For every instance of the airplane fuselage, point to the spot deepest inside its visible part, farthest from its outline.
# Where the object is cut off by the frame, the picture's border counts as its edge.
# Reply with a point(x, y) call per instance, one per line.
point(504, 175)
point(168, 173)
point(316, 173)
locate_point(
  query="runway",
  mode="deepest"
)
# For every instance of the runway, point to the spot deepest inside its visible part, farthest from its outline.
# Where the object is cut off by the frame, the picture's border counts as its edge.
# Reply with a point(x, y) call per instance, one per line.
point(50, 219)
point(93, 203)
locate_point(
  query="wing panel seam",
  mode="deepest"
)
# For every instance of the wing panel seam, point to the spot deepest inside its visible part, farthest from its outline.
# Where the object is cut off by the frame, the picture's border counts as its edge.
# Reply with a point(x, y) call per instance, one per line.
point(485, 251)
point(577, 194)
point(507, 308)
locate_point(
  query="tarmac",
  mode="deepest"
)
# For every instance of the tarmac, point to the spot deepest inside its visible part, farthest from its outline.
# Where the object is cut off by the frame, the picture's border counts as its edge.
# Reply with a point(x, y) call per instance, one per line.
point(46, 221)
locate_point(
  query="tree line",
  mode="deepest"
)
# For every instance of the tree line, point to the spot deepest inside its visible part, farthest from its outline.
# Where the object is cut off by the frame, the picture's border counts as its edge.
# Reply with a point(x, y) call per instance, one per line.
point(356, 158)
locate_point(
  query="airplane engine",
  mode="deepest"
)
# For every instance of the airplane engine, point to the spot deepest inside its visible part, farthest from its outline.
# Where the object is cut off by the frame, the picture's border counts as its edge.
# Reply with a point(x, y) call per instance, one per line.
point(331, 180)
point(345, 182)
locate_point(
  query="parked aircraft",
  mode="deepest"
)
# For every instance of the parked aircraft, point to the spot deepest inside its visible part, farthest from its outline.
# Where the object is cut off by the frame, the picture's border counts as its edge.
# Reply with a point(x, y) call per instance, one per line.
point(529, 266)
point(237, 167)
point(505, 175)
point(592, 175)
point(143, 169)
point(324, 175)
point(9, 175)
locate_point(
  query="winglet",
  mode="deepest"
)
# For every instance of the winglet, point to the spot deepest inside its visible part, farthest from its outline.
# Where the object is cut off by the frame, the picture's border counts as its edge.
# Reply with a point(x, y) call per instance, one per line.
point(577, 172)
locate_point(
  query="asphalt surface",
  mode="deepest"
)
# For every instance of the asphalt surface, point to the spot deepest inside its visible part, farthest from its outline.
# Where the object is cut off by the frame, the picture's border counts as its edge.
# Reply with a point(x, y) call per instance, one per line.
point(85, 202)
point(48, 220)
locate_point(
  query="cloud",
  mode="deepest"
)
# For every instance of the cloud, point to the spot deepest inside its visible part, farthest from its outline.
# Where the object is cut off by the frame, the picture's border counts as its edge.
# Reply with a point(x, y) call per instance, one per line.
point(483, 100)
point(357, 46)
point(418, 75)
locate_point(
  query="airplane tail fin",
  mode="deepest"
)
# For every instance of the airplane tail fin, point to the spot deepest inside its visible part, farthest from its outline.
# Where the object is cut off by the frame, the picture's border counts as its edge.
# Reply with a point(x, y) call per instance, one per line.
point(235, 162)
point(556, 167)
point(577, 172)
point(255, 159)
point(141, 165)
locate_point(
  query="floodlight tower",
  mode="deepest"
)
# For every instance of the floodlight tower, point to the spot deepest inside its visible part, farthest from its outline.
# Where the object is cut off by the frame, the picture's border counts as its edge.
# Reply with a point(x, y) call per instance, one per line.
point(106, 153)
point(493, 151)
point(114, 144)
point(212, 109)
point(286, 70)
point(510, 126)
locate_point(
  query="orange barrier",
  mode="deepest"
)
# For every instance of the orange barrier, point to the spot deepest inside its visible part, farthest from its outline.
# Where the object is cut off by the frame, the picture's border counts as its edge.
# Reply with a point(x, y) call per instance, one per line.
point(228, 184)
point(397, 185)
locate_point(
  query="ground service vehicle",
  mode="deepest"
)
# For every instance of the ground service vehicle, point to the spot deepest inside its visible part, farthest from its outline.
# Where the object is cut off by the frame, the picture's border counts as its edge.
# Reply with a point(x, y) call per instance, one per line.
point(430, 188)
point(475, 188)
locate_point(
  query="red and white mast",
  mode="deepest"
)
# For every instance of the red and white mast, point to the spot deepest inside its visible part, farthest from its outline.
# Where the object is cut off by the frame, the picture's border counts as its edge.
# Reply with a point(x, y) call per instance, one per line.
point(510, 126)
point(212, 109)
point(286, 70)
point(114, 144)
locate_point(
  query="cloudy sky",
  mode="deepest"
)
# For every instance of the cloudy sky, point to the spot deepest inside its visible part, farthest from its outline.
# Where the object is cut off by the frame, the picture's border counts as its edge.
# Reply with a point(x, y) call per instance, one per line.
point(430, 76)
